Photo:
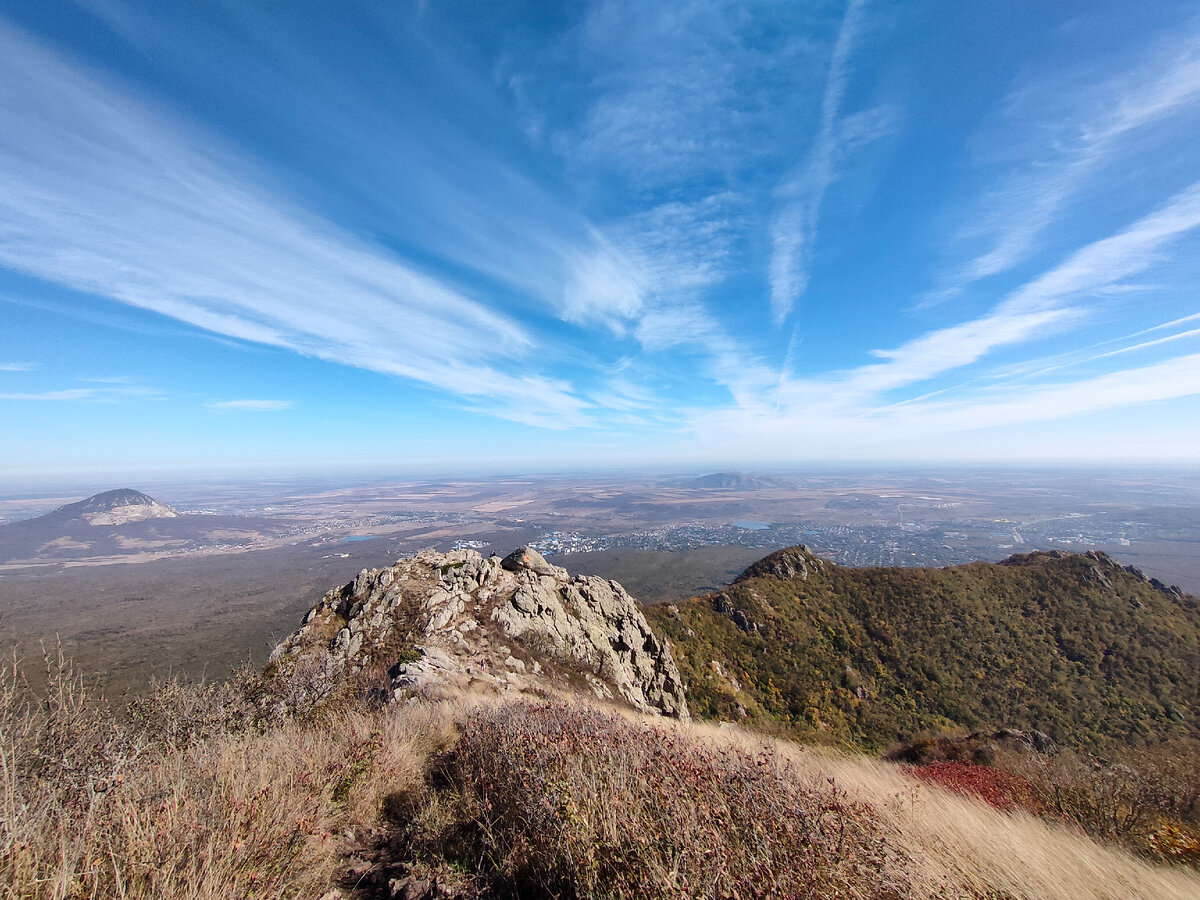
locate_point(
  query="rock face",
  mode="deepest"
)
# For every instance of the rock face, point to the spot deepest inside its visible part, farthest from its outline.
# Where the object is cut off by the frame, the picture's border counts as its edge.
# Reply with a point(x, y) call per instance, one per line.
point(438, 623)
point(791, 562)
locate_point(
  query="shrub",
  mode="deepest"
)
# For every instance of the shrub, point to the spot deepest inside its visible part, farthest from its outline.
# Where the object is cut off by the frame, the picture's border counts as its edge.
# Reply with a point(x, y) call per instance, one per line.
point(1146, 799)
point(194, 794)
point(1000, 790)
point(557, 800)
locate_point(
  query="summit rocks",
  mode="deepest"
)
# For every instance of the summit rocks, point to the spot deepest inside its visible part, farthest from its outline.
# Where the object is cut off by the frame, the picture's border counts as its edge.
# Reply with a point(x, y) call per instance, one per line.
point(439, 623)
point(527, 559)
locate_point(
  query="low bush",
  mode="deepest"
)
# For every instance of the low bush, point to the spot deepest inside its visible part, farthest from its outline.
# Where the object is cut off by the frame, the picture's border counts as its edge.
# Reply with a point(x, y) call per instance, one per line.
point(202, 790)
point(1146, 799)
point(1001, 790)
point(560, 800)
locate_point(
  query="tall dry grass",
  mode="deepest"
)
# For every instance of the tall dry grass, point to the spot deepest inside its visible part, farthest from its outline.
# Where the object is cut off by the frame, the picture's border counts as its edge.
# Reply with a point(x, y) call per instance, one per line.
point(958, 846)
point(94, 807)
point(224, 791)
point(564, 800)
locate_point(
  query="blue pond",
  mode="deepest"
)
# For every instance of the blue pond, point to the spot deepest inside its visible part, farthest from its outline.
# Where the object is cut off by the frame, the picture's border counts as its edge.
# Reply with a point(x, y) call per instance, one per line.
point(355, 538)
point(751, 526)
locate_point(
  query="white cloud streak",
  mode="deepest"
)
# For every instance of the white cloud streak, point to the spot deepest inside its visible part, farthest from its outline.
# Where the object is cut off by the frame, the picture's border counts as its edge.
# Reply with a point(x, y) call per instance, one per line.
point(53, 396)
point(97, 395)
point(1031, 311)
point(1076, 144)
point(838, 412)
point(1182, 335)
point(100, 193)
point(794, 230)
point(1168, 380)
point(981, 426)
point(17, 367)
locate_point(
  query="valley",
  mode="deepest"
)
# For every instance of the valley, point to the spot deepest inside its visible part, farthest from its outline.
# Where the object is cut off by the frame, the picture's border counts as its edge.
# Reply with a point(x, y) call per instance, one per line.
point(217, 584)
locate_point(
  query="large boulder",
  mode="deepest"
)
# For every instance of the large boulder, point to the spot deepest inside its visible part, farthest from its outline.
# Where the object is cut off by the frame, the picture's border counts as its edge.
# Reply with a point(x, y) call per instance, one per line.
point(526, 559)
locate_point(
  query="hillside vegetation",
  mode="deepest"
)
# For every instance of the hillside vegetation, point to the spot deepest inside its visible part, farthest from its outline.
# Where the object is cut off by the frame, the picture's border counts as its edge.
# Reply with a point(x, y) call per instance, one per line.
point(393, 750)
point(225, 791)
point(1072, 645)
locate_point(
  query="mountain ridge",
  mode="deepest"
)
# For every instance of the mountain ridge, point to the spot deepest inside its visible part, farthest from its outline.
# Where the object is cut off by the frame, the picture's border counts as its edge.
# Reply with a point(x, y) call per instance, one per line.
point(1074, 645)
point(734, 481)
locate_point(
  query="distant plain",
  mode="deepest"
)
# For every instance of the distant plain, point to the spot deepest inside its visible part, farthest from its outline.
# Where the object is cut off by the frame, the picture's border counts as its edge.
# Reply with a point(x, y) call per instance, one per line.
point(233, 574)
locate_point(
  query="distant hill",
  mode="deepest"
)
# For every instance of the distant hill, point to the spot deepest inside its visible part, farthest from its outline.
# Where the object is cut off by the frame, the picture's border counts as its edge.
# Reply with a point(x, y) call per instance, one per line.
point(734, 481)
point(119, 523)
point(1074, 645)
point(108, 508)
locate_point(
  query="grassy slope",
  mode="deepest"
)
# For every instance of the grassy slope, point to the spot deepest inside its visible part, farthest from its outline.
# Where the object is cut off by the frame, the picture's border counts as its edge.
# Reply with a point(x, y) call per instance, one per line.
point(490, 799)
point(1072, 646)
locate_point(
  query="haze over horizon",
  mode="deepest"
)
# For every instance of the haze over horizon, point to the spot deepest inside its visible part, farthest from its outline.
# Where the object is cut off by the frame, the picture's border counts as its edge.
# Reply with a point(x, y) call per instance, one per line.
point(454, 236)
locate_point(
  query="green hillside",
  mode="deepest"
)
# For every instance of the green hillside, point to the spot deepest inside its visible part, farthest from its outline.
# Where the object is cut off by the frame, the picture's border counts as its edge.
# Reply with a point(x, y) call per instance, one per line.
point(1073, 645)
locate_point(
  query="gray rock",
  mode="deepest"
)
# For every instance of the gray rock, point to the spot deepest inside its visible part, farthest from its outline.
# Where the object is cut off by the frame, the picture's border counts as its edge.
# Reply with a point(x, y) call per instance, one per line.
point(792, 562)
point(451, 618)
point(526, 558)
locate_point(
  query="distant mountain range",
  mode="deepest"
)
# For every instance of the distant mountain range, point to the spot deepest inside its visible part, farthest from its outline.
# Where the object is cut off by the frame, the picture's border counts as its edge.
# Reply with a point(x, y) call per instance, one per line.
point(1073, 645)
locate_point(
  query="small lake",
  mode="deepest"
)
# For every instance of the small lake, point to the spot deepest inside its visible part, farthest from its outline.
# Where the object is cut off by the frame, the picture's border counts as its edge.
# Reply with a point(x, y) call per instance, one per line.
point(751, 526)
point(355, 538)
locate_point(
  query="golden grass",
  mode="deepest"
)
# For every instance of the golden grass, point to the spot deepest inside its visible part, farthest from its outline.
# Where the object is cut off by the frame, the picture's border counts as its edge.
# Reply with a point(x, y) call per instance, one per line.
point(245, 814)
point(962, 847)
point(498, 798)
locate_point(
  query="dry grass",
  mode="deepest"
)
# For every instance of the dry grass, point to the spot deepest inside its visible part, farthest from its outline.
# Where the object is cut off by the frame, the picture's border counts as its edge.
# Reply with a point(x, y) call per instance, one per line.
point(563, 800)
point(964, 847)
point(93, 808)
point(219, 792)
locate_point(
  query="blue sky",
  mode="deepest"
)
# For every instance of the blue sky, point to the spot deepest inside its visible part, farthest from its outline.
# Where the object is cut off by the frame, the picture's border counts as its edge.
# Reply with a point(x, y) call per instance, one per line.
point(530, 235)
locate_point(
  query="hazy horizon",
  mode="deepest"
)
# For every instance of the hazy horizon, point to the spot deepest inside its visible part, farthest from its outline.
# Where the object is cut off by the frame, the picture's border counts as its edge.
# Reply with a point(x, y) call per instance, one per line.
point(90, 482)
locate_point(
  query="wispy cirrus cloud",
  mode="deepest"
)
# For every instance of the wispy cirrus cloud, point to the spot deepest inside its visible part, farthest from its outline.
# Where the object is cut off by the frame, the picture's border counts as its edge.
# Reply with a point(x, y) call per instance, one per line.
point(1031, 311)
point(92, 394)
point(17, 367)
point(52, 396)
point(845, 407)
point(1143, 345)
point(1070, 129)
point(686, 116)
point(986, 426)
point(250, 405)
point(104, 194)
point(802, 191)
point(1167, 380)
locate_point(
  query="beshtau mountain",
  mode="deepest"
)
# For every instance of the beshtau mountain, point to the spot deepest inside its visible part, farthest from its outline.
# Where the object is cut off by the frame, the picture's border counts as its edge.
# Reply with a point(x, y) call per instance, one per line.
point(90, 527)
point(116, 523)
point(116, 507)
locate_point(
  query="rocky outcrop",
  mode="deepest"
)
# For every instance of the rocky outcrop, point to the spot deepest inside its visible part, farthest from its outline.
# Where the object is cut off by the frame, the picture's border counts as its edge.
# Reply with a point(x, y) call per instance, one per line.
point(792, 562)
point(978, 747)
point(442, 622)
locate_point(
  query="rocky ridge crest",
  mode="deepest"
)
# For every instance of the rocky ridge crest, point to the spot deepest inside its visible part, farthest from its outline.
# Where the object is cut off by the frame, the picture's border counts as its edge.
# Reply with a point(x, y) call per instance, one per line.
point(438, 623)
